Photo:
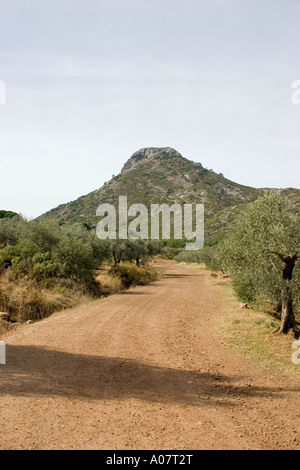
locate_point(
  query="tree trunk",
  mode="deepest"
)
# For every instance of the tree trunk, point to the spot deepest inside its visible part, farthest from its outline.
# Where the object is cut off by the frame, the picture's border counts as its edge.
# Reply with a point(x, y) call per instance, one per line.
point(279, 307)
point(288, 321)
point(137, 260)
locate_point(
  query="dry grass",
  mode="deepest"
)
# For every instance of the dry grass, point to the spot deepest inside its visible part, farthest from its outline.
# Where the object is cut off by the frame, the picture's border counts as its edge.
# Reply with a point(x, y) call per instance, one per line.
point(24, 300)
point(249, 333)
point(132, 275)
point(115, 280)
point(3, 328)
point(109, 284)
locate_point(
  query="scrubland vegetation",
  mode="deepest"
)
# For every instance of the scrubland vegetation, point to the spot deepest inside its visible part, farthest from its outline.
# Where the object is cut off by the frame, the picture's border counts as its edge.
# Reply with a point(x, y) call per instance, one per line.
point(46, 266)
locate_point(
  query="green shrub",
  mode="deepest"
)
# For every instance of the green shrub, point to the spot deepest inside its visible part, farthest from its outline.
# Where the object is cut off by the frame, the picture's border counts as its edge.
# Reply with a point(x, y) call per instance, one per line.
point(132, 275)
point(209, 255)
point(50, 250)
point(10, 230)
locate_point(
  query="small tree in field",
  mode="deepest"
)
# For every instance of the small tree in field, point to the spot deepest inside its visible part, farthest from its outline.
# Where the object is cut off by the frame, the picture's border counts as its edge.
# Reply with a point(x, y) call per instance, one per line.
point(261, 255)
point(135, 250)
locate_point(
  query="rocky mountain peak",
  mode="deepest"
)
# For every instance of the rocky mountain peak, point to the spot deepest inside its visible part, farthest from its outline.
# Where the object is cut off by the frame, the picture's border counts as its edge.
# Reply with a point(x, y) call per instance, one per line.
point(147, 153)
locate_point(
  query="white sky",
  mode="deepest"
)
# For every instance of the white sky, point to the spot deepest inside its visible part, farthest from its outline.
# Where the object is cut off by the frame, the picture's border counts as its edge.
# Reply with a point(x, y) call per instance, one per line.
point(89, 82)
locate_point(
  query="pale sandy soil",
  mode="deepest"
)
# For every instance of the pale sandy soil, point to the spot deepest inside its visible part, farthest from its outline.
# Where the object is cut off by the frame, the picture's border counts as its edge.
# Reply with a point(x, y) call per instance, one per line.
point(141, 370)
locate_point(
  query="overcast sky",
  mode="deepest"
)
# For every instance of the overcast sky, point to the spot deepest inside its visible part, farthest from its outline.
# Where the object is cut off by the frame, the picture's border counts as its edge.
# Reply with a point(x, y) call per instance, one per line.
point(89, 82)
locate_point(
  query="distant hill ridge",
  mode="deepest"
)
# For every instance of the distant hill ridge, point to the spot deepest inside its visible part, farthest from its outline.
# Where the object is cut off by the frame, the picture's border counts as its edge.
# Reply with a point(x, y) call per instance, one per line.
point(162, 175)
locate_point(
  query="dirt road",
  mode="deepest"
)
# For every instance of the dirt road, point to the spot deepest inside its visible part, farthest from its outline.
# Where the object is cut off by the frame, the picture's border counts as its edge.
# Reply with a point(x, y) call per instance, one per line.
point(141, 370)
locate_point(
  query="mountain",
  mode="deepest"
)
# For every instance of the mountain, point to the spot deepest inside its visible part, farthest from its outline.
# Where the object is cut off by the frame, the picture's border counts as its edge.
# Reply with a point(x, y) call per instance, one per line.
point(163, 175)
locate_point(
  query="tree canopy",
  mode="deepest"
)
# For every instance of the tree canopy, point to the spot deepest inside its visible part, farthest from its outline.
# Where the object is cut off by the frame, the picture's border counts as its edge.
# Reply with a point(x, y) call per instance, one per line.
point(261, 255)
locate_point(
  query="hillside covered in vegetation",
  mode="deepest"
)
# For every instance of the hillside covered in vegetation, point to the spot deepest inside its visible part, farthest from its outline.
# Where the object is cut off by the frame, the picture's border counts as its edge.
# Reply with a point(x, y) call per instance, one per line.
point(162, 175)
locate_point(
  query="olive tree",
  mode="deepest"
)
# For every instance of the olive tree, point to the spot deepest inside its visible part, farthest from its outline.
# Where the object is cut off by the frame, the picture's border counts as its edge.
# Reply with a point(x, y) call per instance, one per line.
point(262, 252)
point(10, 230)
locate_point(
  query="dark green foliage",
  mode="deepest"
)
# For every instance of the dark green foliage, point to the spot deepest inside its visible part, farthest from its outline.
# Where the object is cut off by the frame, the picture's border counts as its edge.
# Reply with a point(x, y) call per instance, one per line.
point(47, 249)
point(134, 250)
point(8, 214)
